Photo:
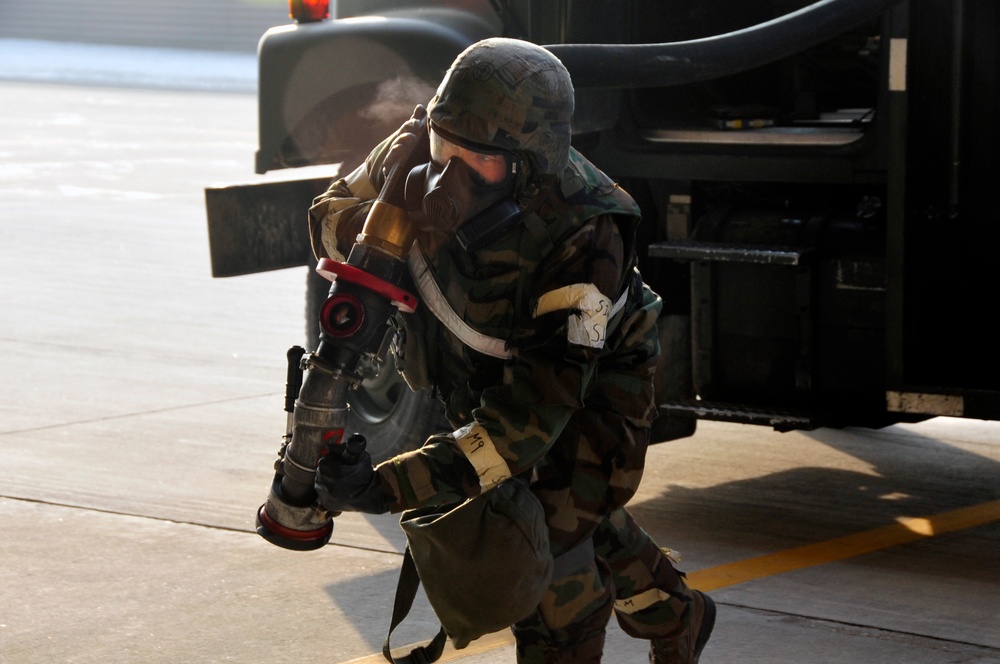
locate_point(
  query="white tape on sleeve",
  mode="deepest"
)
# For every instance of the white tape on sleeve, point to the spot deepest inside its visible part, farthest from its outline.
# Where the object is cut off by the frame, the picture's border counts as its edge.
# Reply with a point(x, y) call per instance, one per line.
point(641, 601)
point(479, 449)
point(588, 325)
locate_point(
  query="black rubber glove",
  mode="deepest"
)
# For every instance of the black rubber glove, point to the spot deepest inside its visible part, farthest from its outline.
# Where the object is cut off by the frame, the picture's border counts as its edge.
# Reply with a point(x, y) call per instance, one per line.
point(411, 144)
point(350, 487)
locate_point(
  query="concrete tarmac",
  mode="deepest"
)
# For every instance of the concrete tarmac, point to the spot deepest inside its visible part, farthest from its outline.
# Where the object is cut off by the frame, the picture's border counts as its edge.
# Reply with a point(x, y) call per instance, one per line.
point(141, 408)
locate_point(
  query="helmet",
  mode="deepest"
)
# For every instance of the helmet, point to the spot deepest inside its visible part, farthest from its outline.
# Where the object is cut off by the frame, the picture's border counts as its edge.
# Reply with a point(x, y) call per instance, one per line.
point(508, 94)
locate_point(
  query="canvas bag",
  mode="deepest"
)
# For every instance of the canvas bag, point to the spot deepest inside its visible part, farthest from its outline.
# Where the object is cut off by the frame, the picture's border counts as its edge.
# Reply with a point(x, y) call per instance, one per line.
point(484, 563)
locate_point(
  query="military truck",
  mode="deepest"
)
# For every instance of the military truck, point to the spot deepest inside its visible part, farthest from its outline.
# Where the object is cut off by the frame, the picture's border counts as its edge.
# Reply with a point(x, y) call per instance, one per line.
point(815, 181)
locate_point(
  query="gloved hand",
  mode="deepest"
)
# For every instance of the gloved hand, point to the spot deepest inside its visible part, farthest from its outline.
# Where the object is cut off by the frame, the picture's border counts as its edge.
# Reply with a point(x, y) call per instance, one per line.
point(406, 146)
point(350, 487)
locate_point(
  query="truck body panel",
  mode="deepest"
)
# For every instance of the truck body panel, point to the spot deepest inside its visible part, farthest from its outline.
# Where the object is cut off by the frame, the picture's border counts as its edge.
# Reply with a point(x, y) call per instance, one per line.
point(818, 215)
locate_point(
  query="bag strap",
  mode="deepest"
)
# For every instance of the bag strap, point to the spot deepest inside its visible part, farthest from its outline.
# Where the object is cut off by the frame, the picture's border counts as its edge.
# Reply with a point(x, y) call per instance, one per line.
point(406, 591)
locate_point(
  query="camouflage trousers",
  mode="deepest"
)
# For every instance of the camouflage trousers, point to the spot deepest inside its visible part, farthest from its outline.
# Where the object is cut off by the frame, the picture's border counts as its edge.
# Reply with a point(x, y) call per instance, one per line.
point(584, 483)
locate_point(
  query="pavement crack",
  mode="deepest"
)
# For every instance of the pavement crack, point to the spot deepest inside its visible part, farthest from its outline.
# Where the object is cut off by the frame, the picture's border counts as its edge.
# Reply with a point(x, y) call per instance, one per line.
point(161, 519)
point(125, 416)
point(884, 633)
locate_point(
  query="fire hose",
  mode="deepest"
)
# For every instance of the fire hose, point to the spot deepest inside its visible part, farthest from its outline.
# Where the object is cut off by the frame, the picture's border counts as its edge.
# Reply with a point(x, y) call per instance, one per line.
point(354, 333)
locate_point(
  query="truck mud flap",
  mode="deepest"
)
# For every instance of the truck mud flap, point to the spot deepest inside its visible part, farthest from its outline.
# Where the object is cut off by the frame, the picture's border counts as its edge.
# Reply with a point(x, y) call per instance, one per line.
point(260, 227)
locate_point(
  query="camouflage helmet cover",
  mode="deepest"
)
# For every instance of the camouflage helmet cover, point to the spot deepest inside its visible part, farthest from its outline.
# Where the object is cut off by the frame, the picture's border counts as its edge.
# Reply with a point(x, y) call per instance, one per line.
point(508, 94)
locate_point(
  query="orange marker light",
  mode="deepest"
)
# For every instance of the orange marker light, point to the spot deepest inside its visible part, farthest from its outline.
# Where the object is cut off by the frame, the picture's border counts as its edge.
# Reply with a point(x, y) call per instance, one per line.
point(308, 11)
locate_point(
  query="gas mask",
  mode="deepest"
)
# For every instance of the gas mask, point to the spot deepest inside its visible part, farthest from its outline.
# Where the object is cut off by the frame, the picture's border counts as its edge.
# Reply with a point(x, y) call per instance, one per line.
point(455, 199)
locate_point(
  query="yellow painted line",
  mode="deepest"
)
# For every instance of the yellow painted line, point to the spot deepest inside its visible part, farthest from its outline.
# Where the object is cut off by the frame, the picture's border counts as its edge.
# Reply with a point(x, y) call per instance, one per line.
point(904, 531)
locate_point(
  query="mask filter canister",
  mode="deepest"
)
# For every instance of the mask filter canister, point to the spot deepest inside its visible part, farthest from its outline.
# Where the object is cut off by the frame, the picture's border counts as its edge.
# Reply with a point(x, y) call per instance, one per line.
point(455, 200)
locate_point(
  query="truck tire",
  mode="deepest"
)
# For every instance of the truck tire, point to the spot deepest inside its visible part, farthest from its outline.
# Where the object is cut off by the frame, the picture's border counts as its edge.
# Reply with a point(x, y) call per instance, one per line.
point(394, 418)
point(384, 409)
point(673, 380)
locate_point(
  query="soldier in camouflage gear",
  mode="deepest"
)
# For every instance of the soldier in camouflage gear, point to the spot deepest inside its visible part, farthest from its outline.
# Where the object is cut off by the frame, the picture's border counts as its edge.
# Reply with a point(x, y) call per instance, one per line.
point(541, 340)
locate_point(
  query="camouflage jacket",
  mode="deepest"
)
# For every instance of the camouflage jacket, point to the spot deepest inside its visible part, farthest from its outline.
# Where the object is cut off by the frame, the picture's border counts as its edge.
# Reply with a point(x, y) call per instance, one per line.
point(514, 336)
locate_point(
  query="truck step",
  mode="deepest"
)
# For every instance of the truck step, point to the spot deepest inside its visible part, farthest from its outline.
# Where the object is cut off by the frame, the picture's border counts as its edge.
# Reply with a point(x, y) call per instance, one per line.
point(719, 252)
point(743, 414)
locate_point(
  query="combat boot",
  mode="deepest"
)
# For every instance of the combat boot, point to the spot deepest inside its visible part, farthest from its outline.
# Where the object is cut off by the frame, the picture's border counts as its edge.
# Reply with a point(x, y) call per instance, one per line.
point(685, 647)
